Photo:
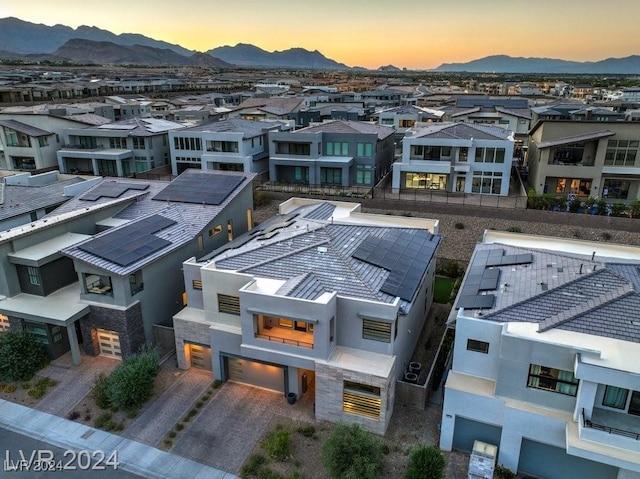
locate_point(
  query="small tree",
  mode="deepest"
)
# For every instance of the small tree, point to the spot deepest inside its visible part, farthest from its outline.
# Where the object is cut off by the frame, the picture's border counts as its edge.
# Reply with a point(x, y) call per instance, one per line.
point(350, 452)
point(20, 356)
point(426, 461)
point(131, 383)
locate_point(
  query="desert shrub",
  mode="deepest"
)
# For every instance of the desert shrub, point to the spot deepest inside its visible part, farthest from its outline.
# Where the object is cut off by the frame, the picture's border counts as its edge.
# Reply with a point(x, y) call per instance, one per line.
point(20, 356)
point(308, 430)
point(100, 391)
point(618, 208)
point(131, 383)
point(426, 461)
point(179, 427)
point(11, 388)
point(253, 465)
point(39, 389)
point(606, 236)
point(277, 443)
point(102, 420)
point(261, 198)
point(73, 415)
point(634, 209)
point(502, 472)
point(459, 225)
point(350, 452)
point(514, 229)
point(450, 268)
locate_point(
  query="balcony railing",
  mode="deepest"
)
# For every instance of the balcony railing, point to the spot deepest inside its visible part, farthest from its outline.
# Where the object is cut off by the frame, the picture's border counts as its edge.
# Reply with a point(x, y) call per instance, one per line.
point(610, 430)
point(282, 340)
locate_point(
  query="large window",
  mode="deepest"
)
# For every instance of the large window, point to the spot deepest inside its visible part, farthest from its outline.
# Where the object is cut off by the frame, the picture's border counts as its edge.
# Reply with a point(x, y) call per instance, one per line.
point(301, 149)
point(331, 176)
point(430, 153)
point(364, 174)
point(615, 397)
point(337, 148)
point(621, 152)
point(617, 189)
point(487, 182)
point(364, 149)
point(426, 180)
point(180, 143)
point(224, 146)
point(229, 304)
point(568, 154)
point(376, 330)
point(551, 379)
point(489, 155)
point(361, 399)
point(138, 143)
point(120, 143)
point(301, 173)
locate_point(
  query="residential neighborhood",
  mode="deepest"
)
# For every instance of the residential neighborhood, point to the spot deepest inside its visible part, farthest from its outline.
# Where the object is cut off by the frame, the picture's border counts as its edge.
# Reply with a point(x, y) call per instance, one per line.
point(445, 262)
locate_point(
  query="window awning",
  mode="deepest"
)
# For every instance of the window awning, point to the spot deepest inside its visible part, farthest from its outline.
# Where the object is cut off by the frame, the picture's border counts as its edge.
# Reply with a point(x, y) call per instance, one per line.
point(46, 251)
point(567, 140)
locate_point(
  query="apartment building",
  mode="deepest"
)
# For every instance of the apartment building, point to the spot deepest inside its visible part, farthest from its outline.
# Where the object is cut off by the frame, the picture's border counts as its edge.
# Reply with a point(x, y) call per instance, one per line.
point(235, 145)
point(585, 158)
point(545, 361)
point(103, 269)
point(455, 157)
point(341, 153)
point(319, 300)
point(118, 148)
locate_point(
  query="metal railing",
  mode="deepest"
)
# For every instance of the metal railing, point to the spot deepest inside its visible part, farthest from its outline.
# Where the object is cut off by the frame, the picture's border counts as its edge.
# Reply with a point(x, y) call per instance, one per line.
point(610, 430)
point(278, 339)
point(316, 190)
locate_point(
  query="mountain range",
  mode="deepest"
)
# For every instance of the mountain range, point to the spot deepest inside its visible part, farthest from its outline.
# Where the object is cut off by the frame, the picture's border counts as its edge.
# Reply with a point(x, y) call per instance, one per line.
point(22, 40)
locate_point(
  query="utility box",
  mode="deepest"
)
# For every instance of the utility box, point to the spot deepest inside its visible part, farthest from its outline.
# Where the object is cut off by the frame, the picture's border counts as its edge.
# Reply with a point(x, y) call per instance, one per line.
point(482, 461)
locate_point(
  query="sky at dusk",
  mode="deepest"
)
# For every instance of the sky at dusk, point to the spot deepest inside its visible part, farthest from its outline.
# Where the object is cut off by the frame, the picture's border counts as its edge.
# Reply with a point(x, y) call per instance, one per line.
point(415, 34)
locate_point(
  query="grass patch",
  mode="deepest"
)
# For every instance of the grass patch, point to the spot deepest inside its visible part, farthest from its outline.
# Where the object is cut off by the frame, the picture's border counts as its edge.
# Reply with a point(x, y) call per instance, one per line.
point(442, 289)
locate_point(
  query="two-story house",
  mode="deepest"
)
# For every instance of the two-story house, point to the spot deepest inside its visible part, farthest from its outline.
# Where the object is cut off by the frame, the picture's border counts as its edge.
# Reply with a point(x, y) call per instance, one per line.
point(546, 357)
point(585, 158)
point(117, 149)
point(101, 270)
point(234, 145)
point(341, 153)
point(320, 300)
point(404, 117)
point(455, 157)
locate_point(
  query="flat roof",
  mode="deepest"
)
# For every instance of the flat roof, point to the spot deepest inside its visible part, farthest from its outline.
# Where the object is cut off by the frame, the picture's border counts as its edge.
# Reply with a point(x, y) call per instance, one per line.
point(360, 361)
point(46, 251)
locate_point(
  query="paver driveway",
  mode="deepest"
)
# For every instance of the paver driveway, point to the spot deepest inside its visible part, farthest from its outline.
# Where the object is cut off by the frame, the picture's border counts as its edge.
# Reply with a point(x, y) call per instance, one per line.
point(227, 429)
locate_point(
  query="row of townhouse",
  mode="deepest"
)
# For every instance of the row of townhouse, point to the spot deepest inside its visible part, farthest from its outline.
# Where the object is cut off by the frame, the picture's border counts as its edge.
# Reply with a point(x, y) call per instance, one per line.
point(545, 360)
point(102, 269)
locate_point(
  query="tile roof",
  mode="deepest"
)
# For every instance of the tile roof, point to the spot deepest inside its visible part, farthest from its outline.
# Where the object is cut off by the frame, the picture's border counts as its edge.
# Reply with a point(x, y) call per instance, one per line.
point(566, 291)
point(313, 256)
point(24, 128)
point(592, 135)
point(347, 126)
point(19, 200)
point(190, 219)
point(235, 125)
point(460, 131)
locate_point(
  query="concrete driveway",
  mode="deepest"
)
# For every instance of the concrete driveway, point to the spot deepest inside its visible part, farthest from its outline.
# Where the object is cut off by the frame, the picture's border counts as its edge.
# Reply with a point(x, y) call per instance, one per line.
point(227, 429)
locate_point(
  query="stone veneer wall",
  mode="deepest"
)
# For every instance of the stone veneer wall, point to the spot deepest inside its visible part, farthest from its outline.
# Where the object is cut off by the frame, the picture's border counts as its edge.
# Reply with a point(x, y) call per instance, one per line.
point(189, 332)
point(329, 388)
point(127, 323)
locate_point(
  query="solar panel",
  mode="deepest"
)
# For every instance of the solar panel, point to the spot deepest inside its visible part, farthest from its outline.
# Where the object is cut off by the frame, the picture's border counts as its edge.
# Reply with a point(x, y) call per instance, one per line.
point(197, 187)
point(111, 189)
point(131, 243)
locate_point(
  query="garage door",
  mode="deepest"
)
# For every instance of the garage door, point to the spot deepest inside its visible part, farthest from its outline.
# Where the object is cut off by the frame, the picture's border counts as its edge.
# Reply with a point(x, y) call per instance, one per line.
point(109, 342)
point(557, 464)
point(200, 357)
point(256, 374)
point(466, 431)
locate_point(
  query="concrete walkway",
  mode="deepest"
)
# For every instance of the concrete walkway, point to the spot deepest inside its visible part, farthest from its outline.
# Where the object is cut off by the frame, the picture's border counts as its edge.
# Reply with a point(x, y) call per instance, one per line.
point(132, 456)
point(158, 419)
point(74, 382)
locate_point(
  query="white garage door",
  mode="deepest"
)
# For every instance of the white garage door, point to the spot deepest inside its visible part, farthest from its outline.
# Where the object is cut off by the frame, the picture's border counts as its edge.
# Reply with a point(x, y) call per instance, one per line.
point(256, 374)
point(109, 343)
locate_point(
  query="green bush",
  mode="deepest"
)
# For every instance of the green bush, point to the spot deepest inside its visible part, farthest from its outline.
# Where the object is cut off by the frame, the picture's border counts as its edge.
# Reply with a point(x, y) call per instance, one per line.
point(40, 387)
point(350, 452)
point(634, 209)
point(502, 472)
point(20, 356)
point(459, 225)
point(253, 465)
point(103, 420)
point(308, 430)
point(278, 443)
point(426, 461)
point(131, 384)
point(618, 208)
point(261, 198)
point(450, 268)
point(100, 391)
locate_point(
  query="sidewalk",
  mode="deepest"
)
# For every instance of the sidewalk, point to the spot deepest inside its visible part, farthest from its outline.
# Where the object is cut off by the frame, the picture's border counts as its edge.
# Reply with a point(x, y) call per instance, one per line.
point(133, 456)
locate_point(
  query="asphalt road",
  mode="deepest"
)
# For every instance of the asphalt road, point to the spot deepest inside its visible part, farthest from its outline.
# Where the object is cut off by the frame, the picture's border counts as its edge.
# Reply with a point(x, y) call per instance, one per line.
point(22, 452)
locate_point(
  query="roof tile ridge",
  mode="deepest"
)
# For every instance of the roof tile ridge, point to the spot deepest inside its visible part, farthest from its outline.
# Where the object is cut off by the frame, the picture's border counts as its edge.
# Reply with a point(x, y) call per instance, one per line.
point(590, 304)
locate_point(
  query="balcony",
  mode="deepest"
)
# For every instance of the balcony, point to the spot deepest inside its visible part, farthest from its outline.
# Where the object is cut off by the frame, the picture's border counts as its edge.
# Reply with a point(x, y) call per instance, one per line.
point(100, 286)
point(286, 335)
point(616, 429)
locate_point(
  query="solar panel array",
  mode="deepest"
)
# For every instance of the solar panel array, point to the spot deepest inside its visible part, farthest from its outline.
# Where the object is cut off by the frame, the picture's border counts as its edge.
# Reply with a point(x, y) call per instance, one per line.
point(111, 189)
point(405, 255)
point(200, 188)
point(483, 275)
point(131, 243)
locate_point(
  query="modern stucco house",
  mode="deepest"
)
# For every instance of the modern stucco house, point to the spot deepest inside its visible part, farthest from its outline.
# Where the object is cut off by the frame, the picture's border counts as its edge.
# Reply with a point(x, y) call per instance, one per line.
point(585, 158)
point(546, 357)
point(105, 267)
point(320, 300)
point(455, 157)
point(340, 152)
